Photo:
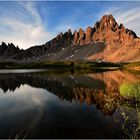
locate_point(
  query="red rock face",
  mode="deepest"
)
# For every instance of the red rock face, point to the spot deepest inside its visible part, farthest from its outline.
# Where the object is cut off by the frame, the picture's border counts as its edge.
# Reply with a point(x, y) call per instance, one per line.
point(75, 38)
point(112, 34)
point(107, 21)
point(88, 35)
point(81, 37)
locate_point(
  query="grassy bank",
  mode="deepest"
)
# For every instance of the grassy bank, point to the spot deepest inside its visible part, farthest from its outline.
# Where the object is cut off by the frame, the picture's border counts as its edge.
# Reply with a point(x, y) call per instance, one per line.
point(59, 64)
point(68, 64)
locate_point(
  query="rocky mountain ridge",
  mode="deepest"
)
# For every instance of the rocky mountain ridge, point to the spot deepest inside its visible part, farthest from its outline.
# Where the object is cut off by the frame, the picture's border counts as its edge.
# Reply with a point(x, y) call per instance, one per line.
point(105, 41)
point(8, 50)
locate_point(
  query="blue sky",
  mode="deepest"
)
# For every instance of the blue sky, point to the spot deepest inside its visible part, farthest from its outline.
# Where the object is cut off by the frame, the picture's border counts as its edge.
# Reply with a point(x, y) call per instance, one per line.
point(35, 22)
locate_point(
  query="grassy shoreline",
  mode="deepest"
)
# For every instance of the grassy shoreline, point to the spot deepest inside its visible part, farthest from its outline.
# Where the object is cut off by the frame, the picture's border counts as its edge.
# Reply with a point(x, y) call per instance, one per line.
point(132, 66)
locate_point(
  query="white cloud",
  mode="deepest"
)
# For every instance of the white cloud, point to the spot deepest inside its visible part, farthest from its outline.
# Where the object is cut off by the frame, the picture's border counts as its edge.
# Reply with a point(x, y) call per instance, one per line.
point(22, 33)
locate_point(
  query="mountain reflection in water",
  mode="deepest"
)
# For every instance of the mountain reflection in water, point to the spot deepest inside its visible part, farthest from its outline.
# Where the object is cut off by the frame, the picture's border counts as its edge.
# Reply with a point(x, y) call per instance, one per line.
point(68, 105)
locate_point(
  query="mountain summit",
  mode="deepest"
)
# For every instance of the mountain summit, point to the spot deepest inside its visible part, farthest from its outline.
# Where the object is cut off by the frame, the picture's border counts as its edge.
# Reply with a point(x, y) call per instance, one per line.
point(105, 41)
point(107, 30)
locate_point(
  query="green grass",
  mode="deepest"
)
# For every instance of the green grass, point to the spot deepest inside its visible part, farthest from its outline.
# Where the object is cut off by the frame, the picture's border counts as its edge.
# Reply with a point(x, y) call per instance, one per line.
point(130, 90)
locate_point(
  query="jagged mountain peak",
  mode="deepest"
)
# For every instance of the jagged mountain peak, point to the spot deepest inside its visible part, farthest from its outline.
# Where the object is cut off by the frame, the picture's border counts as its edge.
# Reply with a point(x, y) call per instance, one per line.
point(121, 26)
point(3, 44)
point(108, 18)
point(101, 31)
point(68, 32)
point(106, 21)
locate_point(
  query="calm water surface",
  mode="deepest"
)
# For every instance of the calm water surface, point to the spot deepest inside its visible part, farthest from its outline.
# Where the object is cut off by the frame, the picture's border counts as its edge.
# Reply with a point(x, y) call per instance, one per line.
point(44, 104)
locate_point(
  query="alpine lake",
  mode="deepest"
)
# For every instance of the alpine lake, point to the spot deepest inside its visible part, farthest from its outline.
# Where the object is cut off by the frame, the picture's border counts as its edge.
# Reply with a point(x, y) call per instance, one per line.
point(46, 103)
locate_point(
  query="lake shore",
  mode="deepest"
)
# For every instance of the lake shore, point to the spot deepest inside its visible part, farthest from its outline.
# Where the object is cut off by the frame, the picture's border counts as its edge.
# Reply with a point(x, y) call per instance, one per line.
point(132, 66)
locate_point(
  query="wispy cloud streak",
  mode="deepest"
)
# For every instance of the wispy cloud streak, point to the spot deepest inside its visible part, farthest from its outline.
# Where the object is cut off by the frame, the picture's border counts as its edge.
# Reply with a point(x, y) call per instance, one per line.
point(22, 32)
